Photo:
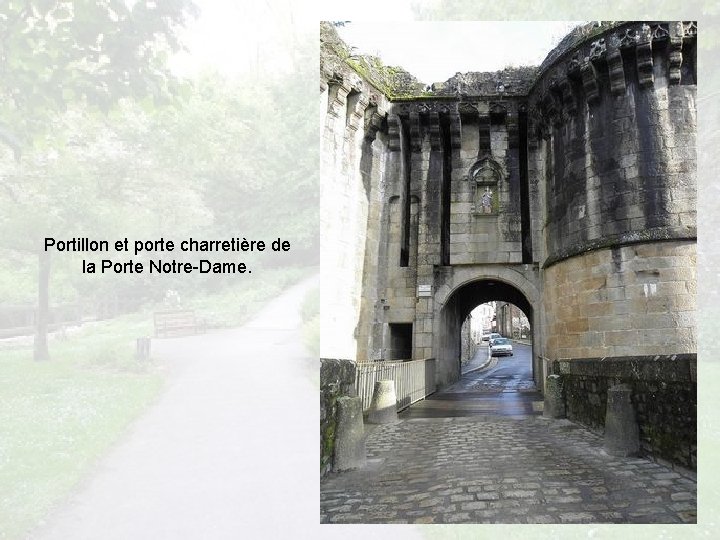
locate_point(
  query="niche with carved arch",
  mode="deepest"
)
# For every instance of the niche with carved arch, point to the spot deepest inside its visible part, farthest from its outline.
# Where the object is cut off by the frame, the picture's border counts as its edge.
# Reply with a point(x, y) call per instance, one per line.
point(485, 177)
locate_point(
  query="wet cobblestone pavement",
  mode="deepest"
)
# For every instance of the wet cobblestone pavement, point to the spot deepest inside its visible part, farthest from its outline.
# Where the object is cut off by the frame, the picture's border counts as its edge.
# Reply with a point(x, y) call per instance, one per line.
point(502, 470)
point(477, 453)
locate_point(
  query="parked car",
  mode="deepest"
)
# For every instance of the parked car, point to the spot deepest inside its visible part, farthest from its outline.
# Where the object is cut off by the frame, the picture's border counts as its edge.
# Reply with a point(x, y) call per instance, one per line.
point(491, 337)
point(501, 346)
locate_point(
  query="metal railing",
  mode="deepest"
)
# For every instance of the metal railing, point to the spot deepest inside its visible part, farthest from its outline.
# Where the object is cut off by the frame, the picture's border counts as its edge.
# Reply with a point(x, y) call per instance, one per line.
point(414, 380)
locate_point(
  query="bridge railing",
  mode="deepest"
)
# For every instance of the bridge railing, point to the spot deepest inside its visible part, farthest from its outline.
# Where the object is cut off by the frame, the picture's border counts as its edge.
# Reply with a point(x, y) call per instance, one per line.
point(414, 380)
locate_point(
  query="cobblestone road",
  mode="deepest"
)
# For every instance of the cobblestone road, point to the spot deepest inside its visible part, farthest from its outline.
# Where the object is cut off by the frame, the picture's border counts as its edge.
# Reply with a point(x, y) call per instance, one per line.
point(496, 468)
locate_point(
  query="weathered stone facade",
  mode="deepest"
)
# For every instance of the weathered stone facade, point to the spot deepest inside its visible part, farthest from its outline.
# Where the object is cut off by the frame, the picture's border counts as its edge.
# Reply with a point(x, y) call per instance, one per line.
point(636, 299)
point(352, 166)
point(468, 347)
point(337, 379)
point(567, 190)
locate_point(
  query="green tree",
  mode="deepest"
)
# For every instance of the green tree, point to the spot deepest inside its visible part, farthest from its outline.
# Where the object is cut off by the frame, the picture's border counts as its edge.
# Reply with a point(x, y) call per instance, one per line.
point(265, 159)
point(58, 53)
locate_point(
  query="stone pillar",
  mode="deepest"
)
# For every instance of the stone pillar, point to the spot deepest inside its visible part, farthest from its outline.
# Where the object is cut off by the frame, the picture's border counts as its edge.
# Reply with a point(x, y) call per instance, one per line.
point(337, 379)
point(349, 435)
point(383, 407)
point(554, 402)
point(622, 435)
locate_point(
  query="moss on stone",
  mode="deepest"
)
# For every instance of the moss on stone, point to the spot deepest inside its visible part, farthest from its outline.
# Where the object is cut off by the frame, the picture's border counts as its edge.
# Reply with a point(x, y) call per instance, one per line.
point(392, 81)
point(328, 448)
point(397, 84)
point(656, 234)
point(662, 442)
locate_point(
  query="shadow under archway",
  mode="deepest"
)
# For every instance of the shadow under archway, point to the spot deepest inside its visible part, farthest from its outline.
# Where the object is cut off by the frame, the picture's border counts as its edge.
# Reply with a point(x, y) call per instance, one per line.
point(458, 306)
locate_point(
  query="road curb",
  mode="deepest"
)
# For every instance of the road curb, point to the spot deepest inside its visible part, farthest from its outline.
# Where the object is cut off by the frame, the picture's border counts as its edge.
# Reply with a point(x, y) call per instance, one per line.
point(491, 362)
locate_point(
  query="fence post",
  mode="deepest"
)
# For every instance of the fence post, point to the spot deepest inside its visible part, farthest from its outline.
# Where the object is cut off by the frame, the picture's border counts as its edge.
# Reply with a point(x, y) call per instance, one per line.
point(142, 348)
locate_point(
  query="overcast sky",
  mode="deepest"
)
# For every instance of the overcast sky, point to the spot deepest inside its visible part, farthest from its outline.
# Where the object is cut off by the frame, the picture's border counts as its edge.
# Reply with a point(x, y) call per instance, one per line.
point(435, 51)
point(234, 37)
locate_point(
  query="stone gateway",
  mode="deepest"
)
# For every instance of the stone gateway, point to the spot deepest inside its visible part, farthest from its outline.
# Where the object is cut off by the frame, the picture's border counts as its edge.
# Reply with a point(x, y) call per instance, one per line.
point(568, 190)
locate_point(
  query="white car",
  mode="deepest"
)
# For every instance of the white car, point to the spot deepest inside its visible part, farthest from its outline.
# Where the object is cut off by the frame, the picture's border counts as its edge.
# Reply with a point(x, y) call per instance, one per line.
point(501, 346)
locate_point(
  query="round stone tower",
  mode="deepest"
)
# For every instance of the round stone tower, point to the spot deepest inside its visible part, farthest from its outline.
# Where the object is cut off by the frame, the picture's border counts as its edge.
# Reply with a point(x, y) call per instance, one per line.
point(614, 123)
point(612, 140)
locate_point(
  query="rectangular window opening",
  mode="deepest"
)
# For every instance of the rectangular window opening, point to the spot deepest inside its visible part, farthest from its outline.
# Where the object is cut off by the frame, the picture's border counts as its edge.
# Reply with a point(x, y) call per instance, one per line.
point(400, 341)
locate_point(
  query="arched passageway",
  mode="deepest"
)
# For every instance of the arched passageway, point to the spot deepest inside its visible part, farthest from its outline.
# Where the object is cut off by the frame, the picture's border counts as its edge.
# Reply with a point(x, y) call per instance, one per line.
point(458, 306)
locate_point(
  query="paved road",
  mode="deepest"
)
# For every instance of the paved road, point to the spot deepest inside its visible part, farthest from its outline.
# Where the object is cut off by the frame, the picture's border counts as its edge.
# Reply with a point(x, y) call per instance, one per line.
point(480, 452)
point(504, 374)
point(504, 388)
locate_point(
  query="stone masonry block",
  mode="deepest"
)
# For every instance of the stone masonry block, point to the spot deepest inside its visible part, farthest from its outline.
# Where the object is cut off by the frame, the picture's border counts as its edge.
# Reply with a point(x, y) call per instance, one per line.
point(623, 337)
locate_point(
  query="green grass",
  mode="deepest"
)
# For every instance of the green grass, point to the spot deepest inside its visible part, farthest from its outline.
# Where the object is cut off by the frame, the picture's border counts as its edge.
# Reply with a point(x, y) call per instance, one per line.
point(58, 417)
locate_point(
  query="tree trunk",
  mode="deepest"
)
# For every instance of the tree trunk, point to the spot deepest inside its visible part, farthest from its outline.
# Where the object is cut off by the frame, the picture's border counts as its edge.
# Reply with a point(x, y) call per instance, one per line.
point(40, 350)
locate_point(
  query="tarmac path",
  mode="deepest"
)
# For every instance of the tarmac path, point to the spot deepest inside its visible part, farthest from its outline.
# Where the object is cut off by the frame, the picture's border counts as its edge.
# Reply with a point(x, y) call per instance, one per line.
point(229, 450)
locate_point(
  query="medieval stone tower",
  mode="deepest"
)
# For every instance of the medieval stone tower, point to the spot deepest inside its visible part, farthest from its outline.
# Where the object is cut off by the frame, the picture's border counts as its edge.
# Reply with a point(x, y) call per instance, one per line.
point(567, 190)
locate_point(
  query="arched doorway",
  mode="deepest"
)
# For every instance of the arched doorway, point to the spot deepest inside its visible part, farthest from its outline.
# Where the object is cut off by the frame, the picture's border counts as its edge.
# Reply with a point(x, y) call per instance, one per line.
point(460, 302)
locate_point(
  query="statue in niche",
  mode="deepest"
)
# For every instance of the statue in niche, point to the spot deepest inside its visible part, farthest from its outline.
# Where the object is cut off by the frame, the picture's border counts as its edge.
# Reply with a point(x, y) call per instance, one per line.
point(486, 201)
point(485, 177)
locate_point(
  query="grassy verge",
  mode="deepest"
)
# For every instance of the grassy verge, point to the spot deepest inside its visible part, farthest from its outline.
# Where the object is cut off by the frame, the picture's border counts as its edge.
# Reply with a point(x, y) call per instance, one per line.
point(58, 417)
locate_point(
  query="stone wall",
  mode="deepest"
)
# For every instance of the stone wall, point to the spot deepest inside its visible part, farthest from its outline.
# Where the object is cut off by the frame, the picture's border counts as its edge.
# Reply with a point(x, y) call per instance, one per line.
point(630, 300)
point(337, 379)
point(468, 347)
point(664, 394)
point(453, 193)
point(577, 176)
point(617, 122)
point(352, 112)
point(485, 194)
point(614, 128)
